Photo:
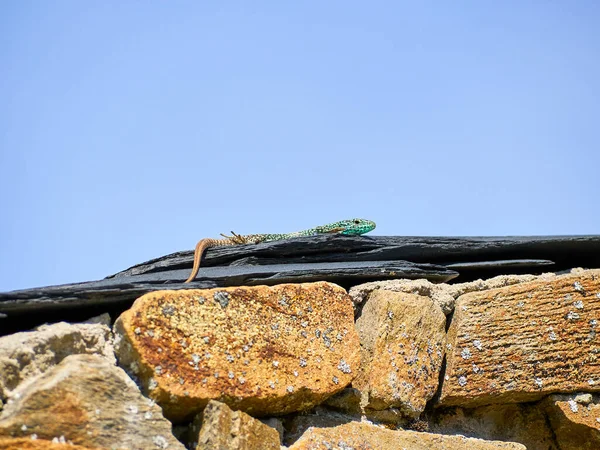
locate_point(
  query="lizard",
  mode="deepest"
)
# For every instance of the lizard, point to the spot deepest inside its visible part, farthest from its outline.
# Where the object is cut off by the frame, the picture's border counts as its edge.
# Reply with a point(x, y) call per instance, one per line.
point(346, 227)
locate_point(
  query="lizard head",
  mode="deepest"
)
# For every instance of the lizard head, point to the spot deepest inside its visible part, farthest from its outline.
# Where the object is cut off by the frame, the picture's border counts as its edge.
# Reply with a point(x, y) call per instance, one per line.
point(349, 227)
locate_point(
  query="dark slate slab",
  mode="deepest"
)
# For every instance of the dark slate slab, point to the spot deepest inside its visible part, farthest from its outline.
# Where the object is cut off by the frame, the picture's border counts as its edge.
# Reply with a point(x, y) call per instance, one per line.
point(346, 260)
point(501, 265)
point(564, 251)
point(126, 289)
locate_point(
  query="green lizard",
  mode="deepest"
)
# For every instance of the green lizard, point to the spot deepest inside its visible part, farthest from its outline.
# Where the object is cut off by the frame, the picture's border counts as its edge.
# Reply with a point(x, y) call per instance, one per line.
point(347, 227)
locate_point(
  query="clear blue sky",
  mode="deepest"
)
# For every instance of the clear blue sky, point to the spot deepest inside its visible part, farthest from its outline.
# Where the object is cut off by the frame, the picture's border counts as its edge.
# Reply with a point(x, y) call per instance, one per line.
point(130, 129)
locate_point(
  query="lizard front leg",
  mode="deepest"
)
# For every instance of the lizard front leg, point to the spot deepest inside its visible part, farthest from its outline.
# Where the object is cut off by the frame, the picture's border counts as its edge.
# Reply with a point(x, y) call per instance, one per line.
point(237, 238)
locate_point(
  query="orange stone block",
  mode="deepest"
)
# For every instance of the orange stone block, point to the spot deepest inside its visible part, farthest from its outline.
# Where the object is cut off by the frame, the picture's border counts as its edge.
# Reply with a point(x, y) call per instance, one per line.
point(523, 342)
point(263, 350)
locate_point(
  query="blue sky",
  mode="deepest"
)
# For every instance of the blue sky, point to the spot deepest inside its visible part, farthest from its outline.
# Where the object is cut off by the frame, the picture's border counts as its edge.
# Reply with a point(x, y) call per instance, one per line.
point(129, 129)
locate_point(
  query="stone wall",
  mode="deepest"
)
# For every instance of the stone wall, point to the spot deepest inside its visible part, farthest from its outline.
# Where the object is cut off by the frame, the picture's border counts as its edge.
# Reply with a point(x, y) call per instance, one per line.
point(510, 362)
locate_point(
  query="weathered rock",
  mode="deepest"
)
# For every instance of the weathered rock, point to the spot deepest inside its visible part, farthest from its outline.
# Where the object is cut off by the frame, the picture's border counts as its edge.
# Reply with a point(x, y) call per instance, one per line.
point(121, 291)
point(575, 420)
point(441, 294)
point(522, 342)
point(88, 401)
point(366, 437)
point(223, 428)
point(296, 425)
point(402, 340)
point(500, 281)
point(263, 350)
point(342, 259)
point(28, 354)
point(564, 251)
point(523, 423)
point(103, 319)
point(39, 444)
point(348, 401)
point(444, 295)
point(533, 265)
point(276, 423)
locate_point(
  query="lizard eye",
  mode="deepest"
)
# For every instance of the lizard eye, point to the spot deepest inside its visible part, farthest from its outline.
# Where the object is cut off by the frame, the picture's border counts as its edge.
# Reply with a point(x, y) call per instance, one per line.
point(356, 222)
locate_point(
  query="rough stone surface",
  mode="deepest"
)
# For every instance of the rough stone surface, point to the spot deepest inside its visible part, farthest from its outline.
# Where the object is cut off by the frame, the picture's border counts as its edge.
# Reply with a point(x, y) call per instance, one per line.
point(103, 319)
point(296, 425)
point(120, 292)
point(522, 342)
point(263, 350)
point(276, 423)
point(28, 354)
point(565, 251)
point(348, 401)
point(315, 258)
point(525, 424)
point(402, 340)
point(444, 295)
point(366, 437)
point(500, 281)
point(223, 428)
point(39, 444)
point(88, 401)
point(575, 420)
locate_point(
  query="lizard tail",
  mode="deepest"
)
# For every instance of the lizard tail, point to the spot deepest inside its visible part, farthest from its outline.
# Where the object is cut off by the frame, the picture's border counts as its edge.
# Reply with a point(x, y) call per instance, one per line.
point(202, 245)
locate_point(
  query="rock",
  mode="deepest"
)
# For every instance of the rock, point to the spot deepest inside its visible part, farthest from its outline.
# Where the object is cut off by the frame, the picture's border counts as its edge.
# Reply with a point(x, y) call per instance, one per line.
point(103, 319)
point(365, 436)
point(28, 354)
point(301, 250)
point(276, 423)
point(346, 401)
point(223, 428)
point(522, 423)
point(444, 295)
point(575, 421)
point(88, 401)
point(441, 294)
point(296, 425)
point(500, 281)
point(502, 265)
point(342, 259)
point(39, 444)
point(402, 340)
point(263, 350)
point(564, 251)
point(522, 342)
point(121, 292)
point(583, 399)
point(253, 275)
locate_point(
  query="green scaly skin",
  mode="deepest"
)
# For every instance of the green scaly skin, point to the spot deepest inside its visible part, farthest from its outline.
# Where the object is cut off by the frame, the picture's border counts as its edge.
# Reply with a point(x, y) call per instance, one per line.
point(351, 227)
